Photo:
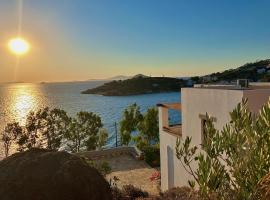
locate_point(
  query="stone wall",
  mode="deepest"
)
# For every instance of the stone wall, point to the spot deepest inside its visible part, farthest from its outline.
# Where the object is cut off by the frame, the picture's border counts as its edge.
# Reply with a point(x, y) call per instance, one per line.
point(113, 152)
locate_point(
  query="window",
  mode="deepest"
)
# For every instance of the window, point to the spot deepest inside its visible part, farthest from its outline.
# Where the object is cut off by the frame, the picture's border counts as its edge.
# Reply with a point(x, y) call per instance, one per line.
point(203, 126)
point(203, 131)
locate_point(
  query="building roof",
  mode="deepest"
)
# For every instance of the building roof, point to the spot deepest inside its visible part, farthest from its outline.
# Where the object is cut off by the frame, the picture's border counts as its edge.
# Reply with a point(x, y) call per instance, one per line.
point(252, 86)
point(174, 106)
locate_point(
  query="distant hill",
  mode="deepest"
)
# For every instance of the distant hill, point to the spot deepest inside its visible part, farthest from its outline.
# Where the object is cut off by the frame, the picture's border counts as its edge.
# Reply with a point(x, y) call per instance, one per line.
point(139, 84)
point(256, 71)
point(119, 77)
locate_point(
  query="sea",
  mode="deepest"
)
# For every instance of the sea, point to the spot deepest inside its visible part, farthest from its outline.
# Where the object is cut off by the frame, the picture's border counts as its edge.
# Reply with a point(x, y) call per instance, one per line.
point(18, 99)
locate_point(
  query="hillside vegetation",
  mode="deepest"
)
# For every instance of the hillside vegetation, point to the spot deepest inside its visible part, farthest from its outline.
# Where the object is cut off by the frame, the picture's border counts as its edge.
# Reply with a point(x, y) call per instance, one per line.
point(138, 85)
point(257, 71)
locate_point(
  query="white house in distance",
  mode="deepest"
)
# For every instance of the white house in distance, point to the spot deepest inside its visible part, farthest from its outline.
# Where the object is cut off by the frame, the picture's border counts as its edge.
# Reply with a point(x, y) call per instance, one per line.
point(216, 100)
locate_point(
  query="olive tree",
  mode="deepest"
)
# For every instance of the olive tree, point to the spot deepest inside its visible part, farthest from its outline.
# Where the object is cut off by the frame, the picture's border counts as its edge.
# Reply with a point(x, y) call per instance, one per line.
point(56, 125)
point(148, 130)
point(232, 161)
point(129, 122)
point(146, 126)
point(44, 129)
point(102, 138)
point(49, 129)
point(10, 134)
point(84, 132)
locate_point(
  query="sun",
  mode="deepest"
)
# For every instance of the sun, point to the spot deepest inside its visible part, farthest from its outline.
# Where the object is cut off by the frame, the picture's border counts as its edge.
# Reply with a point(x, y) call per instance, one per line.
point(18, 46)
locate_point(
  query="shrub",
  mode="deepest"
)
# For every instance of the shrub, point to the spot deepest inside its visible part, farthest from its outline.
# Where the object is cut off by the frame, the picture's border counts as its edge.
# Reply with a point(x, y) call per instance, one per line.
point(263, 189)
point(181, 193)
point(117, 193)
point(155, 176)
point(129, 192)
point(152, 155)
point(232, 161)
point(184, 193)
point(133, 192)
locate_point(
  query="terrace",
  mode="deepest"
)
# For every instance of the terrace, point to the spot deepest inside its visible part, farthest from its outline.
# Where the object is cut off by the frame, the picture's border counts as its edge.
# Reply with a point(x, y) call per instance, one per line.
point(127, 167)
point(175, 128)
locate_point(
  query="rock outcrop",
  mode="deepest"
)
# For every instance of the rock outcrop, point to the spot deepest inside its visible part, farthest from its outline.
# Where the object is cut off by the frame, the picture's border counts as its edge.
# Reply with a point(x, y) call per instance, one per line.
point(41, 174)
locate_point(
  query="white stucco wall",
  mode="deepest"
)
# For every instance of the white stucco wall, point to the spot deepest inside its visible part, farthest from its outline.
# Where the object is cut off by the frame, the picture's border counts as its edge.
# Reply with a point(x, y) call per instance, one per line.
point(170, 168)
point(256, 98)
point(172, 172)
point(218, 103)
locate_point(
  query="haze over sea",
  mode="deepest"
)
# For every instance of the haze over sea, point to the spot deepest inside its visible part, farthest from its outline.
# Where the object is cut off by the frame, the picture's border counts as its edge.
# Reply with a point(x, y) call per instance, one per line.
point(17, 100)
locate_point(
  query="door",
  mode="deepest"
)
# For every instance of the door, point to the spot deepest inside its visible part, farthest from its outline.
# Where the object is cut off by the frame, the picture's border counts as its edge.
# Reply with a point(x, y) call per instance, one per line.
point(170, 165)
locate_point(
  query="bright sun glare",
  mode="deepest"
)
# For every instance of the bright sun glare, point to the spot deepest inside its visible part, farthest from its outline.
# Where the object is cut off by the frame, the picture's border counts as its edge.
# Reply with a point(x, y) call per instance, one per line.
point(18, 46)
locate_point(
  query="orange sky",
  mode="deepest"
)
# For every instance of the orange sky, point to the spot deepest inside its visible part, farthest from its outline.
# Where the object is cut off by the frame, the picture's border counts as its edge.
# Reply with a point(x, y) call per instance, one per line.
point(84, 40)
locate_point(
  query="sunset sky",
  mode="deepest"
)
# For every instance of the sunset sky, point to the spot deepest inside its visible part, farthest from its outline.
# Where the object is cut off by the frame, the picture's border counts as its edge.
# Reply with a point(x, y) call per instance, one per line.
point(84, 39)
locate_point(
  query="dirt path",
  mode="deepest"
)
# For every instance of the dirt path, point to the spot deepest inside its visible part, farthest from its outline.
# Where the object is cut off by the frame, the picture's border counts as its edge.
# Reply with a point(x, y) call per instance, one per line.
point(132, 171)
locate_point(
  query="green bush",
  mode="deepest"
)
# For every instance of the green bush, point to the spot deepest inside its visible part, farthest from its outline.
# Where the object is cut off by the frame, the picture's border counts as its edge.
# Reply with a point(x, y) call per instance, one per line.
point(128, 192)
point(263, 189)
point(133, 192)
point(232, 161)
point(152, 155)
point(180, 193)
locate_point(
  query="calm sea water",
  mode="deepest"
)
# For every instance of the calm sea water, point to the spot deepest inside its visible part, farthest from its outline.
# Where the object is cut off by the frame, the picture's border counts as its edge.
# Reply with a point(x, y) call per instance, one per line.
point(16, 100)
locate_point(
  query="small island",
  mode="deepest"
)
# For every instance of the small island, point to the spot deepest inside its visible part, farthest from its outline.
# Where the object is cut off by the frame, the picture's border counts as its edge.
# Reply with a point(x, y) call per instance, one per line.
point(137, 85)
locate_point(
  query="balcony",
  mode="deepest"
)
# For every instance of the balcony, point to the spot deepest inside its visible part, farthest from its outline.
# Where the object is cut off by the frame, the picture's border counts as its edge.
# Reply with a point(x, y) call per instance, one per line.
point(173, 129)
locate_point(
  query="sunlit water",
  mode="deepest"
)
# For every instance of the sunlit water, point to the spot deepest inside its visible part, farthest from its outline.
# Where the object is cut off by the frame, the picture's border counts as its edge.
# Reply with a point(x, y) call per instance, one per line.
point(17, 100)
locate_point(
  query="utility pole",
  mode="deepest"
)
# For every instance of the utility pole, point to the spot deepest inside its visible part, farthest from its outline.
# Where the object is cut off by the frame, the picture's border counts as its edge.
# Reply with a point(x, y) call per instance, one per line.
point(115, 126)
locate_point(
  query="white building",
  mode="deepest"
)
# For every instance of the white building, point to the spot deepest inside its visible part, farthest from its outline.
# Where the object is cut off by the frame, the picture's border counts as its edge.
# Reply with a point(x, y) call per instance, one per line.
point(216, 100)
point(261, 70)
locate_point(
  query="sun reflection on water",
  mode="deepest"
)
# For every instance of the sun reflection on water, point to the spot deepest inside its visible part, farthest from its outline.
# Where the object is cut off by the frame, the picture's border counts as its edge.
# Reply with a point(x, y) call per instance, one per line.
point(16, 101)
point(24, 99)
point(23, 103)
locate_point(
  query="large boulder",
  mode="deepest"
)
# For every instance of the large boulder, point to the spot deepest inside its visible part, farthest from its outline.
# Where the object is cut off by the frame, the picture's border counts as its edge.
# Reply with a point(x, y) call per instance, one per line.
point(41, 174)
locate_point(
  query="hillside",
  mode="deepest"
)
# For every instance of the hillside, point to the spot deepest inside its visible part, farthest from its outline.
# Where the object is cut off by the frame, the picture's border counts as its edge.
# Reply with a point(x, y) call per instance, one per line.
point(141, 84)
point(119, 77)
point(257, 71)
point(138, 85)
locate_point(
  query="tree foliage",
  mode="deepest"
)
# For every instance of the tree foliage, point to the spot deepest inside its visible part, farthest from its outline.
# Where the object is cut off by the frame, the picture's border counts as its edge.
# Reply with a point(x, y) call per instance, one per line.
point(232, 161)
point(50, 129)
point(10, 134)
point(102, 138)
point(139, 84)
point(84, 131)
point(129, 122)
point(145, 124)
point(44, 129)
point(148, 130)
